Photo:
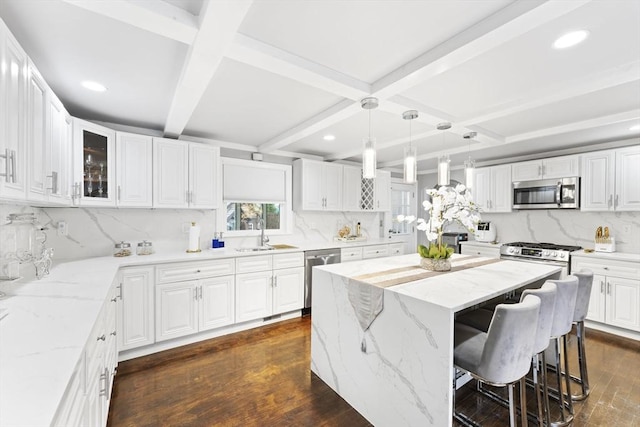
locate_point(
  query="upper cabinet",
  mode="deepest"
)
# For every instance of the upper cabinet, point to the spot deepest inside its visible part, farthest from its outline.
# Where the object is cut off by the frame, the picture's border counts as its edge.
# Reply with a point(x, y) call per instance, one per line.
point(492, 188)
point(555, 167)
point(13, 148)
point(94, 164)
point(611, 180)
point(317, 185)
point(134, 176)
point(185, 175)
point(382, 191)
point(351, 188)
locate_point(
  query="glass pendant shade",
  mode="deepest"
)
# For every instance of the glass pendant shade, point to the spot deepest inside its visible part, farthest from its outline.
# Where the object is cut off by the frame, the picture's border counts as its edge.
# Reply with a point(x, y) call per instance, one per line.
point(369, 158)
point(410, 165)
point(469, 168)
point(443, 170)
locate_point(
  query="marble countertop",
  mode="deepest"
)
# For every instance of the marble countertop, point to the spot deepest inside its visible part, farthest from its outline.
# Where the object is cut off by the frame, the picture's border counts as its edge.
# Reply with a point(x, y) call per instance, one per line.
point(46, 323)
point(456, 290)
point(619, 256)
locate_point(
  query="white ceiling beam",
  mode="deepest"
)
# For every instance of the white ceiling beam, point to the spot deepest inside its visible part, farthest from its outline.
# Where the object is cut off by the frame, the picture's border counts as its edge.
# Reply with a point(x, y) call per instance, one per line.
point(576, 126)
point(269, 58)
point(508, 23)
point(219, 22)
point(609, 78)
point(340, 111)
point(157, 17)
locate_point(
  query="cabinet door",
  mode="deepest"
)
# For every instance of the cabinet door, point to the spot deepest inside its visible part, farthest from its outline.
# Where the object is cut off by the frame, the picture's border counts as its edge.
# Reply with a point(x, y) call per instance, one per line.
point(170, 173)
point(623, 300)
point(288, 290)
point(134, 170)
point(217, 302)
point(59, 146)
point(627, 193)
point(94, 164)
point(481, 188)
point(597, 302)
point(597, 181)
point(36, 141)
point(560, 167)
point(203, 176)
point(12, 118)
point(254, 295)
point(176, 310)
point(136, 308)
point(526, 171)
point(382, 191)
point(489, 252)
point(501, 182)
point(332, 177)
point(351, 188)
point(312, 193)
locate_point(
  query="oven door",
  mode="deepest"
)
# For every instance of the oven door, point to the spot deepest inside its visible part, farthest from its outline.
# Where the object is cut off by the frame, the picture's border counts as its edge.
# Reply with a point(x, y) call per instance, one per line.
point(564, 265)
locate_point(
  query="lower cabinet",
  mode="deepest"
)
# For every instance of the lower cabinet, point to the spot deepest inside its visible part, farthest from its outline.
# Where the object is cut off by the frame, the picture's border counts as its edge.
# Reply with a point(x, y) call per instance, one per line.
point(86, 400)
point(136, 308)
point(480, 250)
point(375, 251)
point(192, 306)
point(270, 290)
point(615, 295)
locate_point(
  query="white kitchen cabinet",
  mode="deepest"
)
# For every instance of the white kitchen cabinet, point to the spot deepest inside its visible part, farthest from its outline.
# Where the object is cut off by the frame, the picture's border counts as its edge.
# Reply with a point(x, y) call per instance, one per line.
point(611, 180)
point(554, 167)
point(217, 302)
point(94, 164)
point(615, 295)
point(479, 249)
point(185, 175)
point(36, 140)
point(492, 188)
point(271, 284)
point(134, 170)
point(13, 148)
point(58, 171)
point(382, 191)
point(176, 310)
point(317, 185)
point(351, 254)
point(136, 320)
point(375, 251)
point(396, 248)
point(351, 188)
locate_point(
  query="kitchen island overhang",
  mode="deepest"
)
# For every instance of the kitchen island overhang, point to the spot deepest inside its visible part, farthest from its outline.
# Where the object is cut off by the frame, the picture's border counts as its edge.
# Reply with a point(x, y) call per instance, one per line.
point(399, 371)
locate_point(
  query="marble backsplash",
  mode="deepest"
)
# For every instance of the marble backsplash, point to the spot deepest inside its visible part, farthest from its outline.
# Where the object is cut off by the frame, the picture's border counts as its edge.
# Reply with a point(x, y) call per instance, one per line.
point(94, 231)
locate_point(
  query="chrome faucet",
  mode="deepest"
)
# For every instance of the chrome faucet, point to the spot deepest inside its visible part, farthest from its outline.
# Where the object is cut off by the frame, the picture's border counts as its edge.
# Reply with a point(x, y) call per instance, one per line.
point(263, 239)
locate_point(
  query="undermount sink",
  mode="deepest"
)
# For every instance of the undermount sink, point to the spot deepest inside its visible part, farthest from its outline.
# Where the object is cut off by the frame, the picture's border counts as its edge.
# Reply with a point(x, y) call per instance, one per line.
point(256, 249)
point(283, 246)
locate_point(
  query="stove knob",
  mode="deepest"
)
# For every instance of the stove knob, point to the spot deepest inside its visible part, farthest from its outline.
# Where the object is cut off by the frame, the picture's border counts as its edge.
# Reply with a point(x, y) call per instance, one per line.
point(562, 254)
point(511, 250)
point(554, 254)
point(545, 253)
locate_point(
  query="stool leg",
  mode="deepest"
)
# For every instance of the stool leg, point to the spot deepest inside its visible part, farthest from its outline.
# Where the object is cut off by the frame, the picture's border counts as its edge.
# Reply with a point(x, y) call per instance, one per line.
point(582, 363)
point(512, 406)
point(545, 390)
point(523, 402)
point(538, 389)
point(567, 378)
point(565, 419)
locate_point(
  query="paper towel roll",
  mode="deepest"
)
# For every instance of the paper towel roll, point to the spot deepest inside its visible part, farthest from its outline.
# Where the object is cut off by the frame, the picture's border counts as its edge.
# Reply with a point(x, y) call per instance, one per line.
point(194, 238)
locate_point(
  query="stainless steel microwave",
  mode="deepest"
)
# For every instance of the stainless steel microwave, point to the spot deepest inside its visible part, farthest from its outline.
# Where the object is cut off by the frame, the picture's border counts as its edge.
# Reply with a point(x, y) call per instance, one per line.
point(561, 193)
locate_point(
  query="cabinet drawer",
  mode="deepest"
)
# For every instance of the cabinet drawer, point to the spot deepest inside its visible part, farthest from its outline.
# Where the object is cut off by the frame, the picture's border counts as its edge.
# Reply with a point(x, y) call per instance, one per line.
point(350, 254)
point(194, 270)
point(480, 251)
point(254, 263)
point(376, 251)
point(289, 260)
point(613, 268)
point(396, 249)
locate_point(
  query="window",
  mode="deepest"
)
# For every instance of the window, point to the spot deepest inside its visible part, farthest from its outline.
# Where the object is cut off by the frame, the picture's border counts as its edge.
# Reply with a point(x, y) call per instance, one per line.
point(401, 205)
point(255, 192)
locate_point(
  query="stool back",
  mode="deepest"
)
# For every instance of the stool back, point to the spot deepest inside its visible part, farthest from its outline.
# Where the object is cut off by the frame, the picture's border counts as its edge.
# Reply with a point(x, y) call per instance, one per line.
point(585, 282)
point(547, 295)
point(506, 355)
point(567, 290)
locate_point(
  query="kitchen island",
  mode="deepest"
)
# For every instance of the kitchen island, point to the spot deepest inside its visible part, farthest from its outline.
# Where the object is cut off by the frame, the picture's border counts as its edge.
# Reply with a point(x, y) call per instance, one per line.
point(399, 369)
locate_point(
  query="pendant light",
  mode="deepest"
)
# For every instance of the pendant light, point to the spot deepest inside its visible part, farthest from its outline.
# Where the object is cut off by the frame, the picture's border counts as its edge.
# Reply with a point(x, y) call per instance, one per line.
point(410, 152)
point(369, 154)
point(469, 164)
point(443, 161)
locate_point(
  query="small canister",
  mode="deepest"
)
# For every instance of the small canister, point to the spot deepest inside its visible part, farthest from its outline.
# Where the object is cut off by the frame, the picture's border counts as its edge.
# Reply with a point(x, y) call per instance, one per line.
point(144, 248)
point(122, 249)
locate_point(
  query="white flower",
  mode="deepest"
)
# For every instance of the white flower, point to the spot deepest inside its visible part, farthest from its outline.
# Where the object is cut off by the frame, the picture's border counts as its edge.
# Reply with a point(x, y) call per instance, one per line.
point(410, 218)
point(400, 218)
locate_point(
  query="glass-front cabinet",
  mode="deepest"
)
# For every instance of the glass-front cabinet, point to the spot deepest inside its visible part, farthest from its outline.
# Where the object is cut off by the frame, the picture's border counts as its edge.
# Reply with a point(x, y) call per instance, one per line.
point(94, 164)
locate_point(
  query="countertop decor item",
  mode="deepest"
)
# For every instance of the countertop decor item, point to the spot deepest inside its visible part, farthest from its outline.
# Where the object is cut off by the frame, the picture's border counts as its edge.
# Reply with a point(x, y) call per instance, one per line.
point(447, 205)
point(603, 240)
point(194, 238)
point(144, 248)
point(121, 249)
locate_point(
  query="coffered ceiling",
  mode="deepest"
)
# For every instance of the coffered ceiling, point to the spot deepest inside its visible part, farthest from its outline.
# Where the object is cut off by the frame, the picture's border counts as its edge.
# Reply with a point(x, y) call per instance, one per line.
point(276, 76)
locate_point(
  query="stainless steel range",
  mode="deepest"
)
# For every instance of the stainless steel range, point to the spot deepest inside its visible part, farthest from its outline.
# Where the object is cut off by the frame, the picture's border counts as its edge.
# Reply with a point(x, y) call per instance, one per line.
point(549, 253)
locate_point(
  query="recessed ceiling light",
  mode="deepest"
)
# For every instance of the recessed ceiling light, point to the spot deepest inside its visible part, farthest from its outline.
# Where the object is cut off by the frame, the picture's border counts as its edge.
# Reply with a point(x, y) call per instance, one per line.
point(636, 127)
point(94, 86)
point(329, 137)
point(570, 39)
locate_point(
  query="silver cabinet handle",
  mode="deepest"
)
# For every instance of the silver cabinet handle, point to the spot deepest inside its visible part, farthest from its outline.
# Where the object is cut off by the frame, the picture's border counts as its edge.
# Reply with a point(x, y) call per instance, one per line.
point(120, 291)
point(275, 281)
point(195, 294)
point(601, 286)
point(119, 192)
point(104, 377)
point(608, 288)
point(610, 201)
point(200, 292)
point(54, 182)
point(615, 202)
point(605, 268)
point(539, 170)
point(114, 299)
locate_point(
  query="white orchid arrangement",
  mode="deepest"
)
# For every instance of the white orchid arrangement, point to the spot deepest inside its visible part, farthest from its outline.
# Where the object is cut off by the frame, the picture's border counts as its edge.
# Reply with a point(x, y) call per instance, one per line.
point(447, 205)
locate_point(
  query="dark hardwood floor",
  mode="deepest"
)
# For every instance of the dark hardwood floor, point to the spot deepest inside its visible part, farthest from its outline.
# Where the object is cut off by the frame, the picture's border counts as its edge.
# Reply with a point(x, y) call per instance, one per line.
point(261, 377)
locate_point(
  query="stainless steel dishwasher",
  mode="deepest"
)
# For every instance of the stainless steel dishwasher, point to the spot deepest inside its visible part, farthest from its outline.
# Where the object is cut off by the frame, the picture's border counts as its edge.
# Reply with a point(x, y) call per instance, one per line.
point(312, 259)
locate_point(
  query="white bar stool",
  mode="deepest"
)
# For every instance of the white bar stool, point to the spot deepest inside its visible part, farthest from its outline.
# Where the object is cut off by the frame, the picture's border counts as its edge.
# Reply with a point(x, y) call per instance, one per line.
point(585, 283)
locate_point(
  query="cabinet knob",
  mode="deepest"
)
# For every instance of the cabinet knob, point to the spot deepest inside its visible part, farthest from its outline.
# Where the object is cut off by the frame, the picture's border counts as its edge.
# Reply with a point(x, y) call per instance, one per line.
point(102, 337)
